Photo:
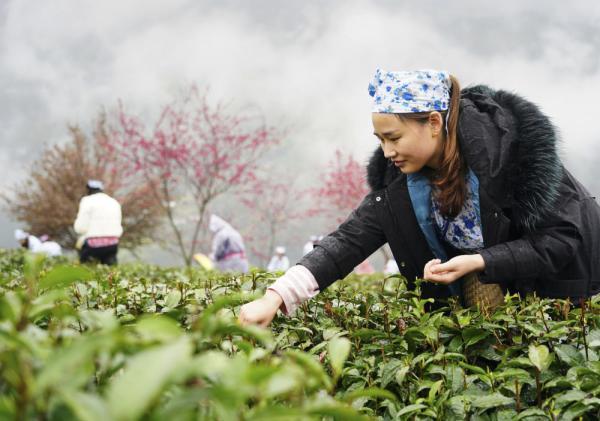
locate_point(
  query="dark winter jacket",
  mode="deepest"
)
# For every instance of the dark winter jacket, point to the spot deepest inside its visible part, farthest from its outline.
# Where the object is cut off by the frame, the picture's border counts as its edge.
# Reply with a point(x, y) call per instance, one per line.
point(541, 227)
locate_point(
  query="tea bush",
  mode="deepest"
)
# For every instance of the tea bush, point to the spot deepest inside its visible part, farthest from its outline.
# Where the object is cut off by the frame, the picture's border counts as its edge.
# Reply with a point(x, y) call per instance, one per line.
point(142, 342)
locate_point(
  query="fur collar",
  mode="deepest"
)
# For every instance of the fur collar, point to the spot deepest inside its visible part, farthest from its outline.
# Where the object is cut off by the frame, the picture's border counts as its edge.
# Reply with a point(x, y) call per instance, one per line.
point(531, 166)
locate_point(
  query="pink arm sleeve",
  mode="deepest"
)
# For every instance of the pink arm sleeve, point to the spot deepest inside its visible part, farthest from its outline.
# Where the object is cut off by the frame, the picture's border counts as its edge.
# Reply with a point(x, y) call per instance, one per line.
point(296, 286)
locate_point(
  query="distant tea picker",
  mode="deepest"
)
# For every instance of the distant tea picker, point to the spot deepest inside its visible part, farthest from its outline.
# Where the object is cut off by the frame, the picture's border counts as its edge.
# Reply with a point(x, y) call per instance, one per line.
point(99, 226)
point(470, 193)
point(279, 261)
point(228, 250)
point(37, 245)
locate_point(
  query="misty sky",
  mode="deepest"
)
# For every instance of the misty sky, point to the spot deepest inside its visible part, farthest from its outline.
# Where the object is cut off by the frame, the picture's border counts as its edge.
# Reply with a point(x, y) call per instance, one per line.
point(305, 64)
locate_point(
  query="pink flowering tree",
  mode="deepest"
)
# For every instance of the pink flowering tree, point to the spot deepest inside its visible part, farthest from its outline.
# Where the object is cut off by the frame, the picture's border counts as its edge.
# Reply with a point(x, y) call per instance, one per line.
point(194, 153)
point(47, 201)
point(343, 186)
point(273, 205)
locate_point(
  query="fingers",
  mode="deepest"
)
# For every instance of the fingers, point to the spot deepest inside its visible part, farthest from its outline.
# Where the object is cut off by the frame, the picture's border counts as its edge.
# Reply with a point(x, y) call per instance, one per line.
point(449, 266)
point(442, 278)
point(460, 264)
point(245, 321)
point(257, 312)
point(427, 270)
point(441, 267)
point(242, 318)
point(434, 262)
point(245, 316)
point(441, 273)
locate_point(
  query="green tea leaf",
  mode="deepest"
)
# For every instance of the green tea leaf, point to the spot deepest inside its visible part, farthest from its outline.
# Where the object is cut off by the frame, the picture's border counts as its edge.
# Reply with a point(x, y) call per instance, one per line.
point(409, 409)
point(330, 333)
point(473, 335)
point(157, 328)
point(33, 266)
point(433, 391)
point(456, 408)
point(569, 396)
point(275, 413)
point(492, 400)
point(337, 412)
point(283, 382)
point(575, 411)
point(455, 377)
point(540, 356)
point(173, 299)
point(401, 374)
point(370, 392)
point(312, 366)
point(63, 276)
point(86, 407)
point(389, 371)
point(145, 375)
point(534, 414)
point(593, 338)
point(569, 355)
point(339, 349)
point(473, 368)
point(70, 366)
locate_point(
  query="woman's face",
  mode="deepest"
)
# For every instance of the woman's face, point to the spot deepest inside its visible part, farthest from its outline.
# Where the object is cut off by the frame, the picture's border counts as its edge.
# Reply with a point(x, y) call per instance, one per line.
point(410, 144)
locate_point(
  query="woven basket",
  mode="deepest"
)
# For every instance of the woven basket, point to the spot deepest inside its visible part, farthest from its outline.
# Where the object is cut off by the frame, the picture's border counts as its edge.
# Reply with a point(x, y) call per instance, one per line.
point(488, 296)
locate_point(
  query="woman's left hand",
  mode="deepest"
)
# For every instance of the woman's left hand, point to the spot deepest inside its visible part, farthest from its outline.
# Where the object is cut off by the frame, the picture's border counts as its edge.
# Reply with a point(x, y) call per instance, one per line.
point(453, 269)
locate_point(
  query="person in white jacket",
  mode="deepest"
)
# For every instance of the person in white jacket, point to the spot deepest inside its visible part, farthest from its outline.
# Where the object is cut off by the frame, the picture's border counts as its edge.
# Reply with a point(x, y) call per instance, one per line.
point(36, 245)
point(228, 251)
point(99, 226)
point(279, 261)
point(310, 244)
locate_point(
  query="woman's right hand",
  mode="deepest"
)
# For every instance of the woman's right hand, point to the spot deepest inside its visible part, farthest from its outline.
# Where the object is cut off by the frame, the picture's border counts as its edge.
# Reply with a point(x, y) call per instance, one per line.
point(262, 310)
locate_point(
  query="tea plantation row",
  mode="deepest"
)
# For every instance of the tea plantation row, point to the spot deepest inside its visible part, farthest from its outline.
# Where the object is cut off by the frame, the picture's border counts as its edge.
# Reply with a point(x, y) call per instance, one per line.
point(141, 342)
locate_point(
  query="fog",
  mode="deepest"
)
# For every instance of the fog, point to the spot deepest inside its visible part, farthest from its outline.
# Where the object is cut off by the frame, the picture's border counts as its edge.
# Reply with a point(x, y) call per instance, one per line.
point(304, 65)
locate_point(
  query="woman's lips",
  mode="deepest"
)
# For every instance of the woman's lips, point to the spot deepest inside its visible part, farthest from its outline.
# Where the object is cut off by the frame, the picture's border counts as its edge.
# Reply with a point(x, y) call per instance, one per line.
point(400, 163)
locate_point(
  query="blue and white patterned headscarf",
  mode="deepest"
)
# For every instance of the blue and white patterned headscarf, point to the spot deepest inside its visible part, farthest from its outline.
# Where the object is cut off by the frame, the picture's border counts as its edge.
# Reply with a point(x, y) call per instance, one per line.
point(410, 91)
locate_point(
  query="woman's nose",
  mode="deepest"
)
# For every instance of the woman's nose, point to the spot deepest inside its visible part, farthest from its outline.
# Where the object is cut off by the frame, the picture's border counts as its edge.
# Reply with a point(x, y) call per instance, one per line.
point(388, 151)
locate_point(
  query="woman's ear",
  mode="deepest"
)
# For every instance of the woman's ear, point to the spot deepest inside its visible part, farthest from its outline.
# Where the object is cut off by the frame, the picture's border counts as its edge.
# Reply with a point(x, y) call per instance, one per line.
point(436, 121)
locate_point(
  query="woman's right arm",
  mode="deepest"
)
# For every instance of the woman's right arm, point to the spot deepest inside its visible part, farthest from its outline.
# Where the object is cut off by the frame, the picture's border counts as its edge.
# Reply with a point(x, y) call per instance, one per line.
point(359, 236)
point(334, 257)
point(286, 294)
